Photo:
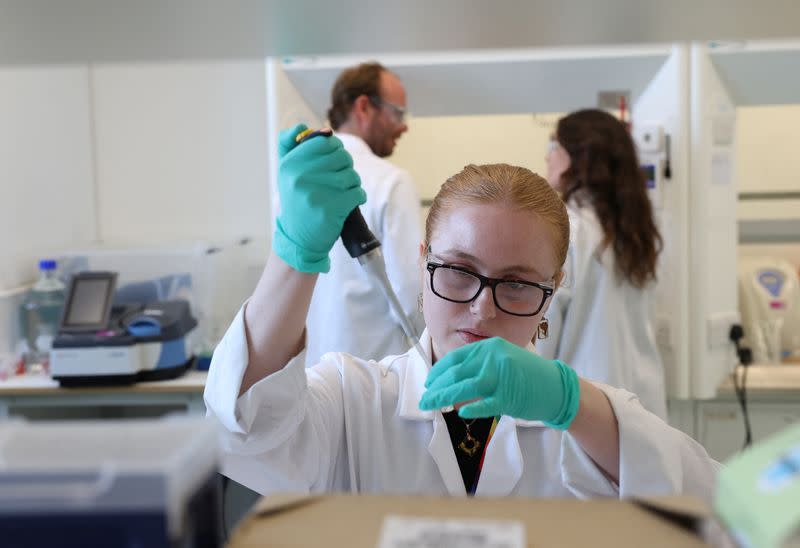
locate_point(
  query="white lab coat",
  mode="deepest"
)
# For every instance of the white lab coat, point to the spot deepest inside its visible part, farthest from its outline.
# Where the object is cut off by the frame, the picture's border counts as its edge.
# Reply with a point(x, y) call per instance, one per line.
point(352, 425)
point(348, 311)
point(600, 324)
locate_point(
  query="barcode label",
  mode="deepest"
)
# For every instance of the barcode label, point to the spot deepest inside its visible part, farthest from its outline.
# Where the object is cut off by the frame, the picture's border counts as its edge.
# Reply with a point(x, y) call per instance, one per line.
point(408, 532)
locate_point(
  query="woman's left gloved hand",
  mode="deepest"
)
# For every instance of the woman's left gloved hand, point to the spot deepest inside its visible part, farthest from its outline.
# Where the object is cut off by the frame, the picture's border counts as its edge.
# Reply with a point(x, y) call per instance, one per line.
point(505, 380)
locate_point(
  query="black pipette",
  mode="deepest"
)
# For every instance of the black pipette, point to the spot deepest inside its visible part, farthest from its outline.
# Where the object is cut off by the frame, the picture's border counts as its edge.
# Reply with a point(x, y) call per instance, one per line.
point(362, 244)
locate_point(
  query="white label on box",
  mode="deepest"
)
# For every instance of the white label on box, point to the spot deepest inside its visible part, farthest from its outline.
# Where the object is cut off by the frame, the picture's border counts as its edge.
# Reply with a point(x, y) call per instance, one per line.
point(409, 532)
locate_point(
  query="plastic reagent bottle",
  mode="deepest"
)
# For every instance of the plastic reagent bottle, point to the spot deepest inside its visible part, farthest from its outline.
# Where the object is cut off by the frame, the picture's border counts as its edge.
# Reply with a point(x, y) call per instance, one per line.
point(40, 313)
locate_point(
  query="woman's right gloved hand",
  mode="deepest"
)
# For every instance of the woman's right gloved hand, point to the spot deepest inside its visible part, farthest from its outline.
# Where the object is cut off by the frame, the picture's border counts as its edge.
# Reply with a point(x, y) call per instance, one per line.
point(318, 189)
point(498, 378)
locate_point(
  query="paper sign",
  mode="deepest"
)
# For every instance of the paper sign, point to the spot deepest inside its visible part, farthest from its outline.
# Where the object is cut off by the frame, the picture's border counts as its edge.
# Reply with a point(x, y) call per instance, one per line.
point(721, 168)
point(411, 532)
point(723, 130)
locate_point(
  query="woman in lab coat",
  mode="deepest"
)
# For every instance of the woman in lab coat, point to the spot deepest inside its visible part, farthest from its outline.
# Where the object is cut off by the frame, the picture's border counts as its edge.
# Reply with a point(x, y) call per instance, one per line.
point(495, 243)
point(601, 319)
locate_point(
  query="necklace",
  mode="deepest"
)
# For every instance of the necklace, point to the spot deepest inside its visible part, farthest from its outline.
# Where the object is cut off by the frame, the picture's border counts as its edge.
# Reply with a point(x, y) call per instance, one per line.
point(469, 444)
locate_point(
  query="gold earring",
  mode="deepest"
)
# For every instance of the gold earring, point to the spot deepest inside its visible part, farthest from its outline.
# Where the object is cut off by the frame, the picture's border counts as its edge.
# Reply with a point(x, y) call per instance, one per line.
point(543, 330)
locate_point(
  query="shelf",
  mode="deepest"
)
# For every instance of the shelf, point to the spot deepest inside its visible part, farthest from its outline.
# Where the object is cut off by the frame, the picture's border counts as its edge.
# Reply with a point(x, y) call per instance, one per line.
point(491, 82)
point(759, 73)
point(769, 217)
point(769, 231)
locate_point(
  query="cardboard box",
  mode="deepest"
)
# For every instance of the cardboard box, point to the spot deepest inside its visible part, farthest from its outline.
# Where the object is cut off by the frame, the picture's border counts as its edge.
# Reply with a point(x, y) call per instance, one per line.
point(358, 520)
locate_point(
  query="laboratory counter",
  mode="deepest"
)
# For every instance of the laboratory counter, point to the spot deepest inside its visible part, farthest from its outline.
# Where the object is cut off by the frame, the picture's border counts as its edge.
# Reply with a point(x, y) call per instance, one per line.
point(773, 403)
point(23, 394)
point(766, 383)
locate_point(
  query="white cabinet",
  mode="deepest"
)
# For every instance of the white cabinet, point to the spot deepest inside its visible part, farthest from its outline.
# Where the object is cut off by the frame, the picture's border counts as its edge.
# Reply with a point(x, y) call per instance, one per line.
point(720, 425)
point(773, 404)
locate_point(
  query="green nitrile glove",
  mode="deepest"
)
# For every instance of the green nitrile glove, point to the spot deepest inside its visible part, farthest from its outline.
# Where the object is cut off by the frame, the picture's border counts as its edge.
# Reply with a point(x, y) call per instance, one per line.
point(318, 189)
point(506, 380)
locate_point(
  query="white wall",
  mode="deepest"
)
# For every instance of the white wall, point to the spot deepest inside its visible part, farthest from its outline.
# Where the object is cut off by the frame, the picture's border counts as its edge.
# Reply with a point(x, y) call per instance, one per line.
point(787, 251)
point(181, 151)
point(129, 154)
point(768, 141)
point(122, 154)
point(142, 153)
point(46, 177)
point(434, 148)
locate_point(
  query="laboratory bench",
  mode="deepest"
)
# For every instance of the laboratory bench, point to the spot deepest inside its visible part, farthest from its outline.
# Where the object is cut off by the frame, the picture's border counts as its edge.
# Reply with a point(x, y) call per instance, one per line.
point(773, 403)
point(41, 397)
point(773, 398)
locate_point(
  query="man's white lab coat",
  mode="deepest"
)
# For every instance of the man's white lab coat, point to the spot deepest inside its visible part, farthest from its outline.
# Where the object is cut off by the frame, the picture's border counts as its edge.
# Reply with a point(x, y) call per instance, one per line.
point(600, 324)
point(348, 311)
point(352, 425)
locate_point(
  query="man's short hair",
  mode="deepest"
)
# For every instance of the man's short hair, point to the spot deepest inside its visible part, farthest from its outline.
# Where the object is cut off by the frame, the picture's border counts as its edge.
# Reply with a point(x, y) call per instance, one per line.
point(363, 79)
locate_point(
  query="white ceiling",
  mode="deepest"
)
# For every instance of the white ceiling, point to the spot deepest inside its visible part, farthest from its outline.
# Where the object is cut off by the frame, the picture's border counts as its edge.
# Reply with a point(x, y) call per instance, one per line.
point(68, 31)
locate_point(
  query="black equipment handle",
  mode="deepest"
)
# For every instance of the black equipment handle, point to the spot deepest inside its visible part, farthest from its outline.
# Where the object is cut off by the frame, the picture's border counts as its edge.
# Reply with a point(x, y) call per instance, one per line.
point(357, 238)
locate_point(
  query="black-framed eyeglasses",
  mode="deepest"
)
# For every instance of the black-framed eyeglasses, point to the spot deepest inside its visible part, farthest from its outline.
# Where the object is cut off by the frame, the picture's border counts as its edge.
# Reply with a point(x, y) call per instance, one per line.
point(460, 285)
point(397, 111)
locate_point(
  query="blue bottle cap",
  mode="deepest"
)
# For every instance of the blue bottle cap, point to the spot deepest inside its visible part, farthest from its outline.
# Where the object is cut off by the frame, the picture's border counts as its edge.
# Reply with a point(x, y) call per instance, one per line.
point(47, 264)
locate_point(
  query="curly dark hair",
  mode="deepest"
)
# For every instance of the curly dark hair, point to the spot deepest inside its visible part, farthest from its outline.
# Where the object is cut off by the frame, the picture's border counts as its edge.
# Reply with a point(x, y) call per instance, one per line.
point(604, 171)
point(363, 79)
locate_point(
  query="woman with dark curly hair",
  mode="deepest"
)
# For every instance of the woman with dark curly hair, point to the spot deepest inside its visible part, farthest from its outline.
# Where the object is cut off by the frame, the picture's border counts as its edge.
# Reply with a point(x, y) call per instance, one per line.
point(602, 317)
